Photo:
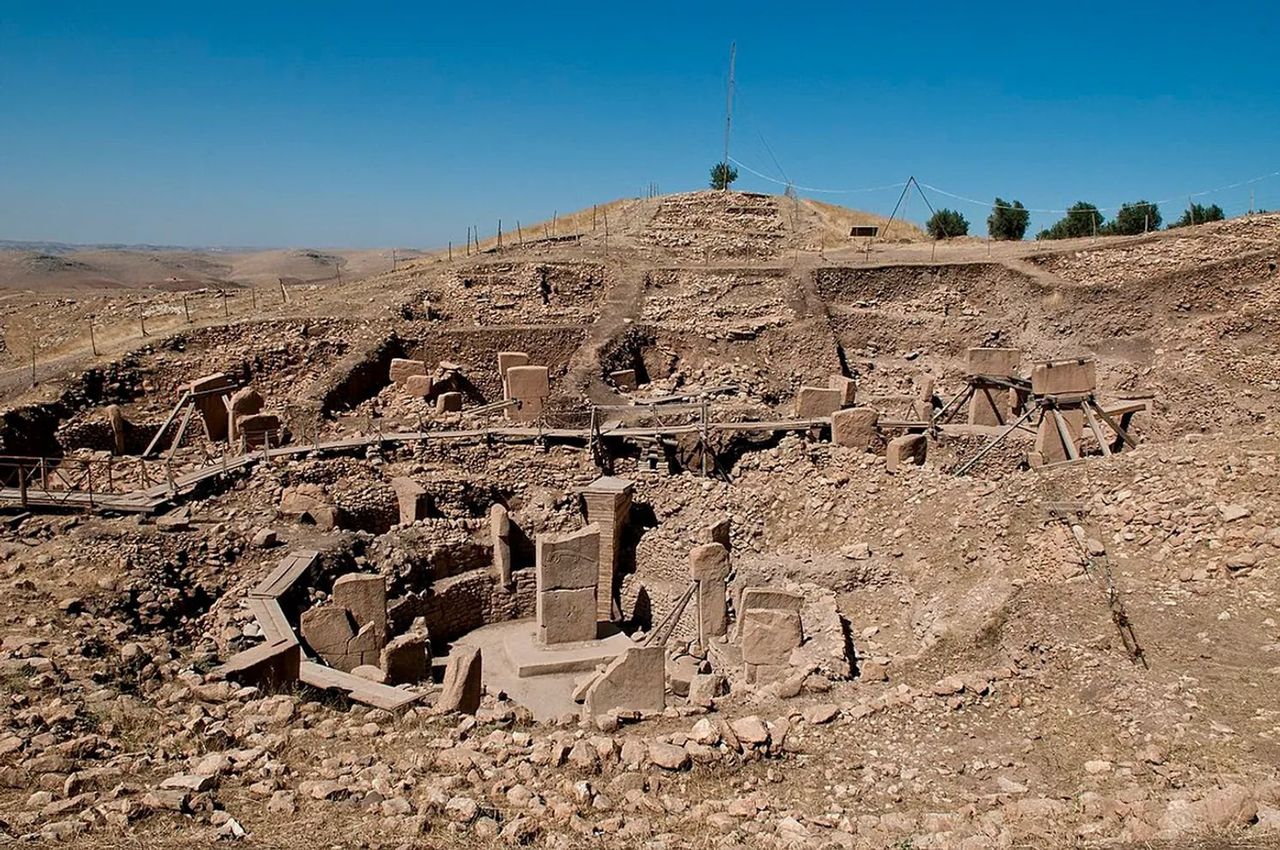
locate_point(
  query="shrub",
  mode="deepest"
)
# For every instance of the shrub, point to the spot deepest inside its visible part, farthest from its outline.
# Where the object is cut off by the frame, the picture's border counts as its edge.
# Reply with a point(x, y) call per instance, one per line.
point(1135, 218)
point(722, 175)
point(1198, 214)
point(1082, 219)
point(946, 223)
point(1008, 220)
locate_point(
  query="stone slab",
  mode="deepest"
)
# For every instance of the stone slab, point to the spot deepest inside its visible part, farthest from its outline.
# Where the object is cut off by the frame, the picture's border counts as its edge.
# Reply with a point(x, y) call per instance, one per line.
point(768, 597)
point(818, 401)
point(769, 635)
point(528, 382)
point(406, 659)
point(905, 450)
point(848, 388)
point(418, 386)
point(709, 562)
point(623, 379)
point(855, 427)
point(500, 538)
point(1064, 377)
point(569, 561)
point(401, 368)
point(567, 616)
point(634, 681)
point(992, 362)
point(529, 658)
point(449, 402)
point(365, 596)
point(510, 359)
point(463, 681)
point(412, 498)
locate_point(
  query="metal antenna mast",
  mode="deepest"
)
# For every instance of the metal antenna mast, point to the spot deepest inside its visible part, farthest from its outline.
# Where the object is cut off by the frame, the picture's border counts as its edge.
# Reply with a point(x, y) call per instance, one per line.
point(728, 115)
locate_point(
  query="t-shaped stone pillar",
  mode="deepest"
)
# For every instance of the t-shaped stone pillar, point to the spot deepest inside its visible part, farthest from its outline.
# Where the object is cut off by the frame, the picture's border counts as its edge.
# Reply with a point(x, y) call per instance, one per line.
point(608, 504)
point(709, 567)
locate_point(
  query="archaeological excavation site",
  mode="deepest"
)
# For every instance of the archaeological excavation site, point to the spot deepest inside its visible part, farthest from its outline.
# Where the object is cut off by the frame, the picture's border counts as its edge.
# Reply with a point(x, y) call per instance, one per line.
point(686, 521)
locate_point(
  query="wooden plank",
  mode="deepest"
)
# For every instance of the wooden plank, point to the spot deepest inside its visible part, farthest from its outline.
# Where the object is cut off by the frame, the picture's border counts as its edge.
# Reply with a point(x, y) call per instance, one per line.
point(289, 570)
point(1097, 430)
point(1123, 407)
point(360, 690)
point(1068, 444)
point(1121, 432)
point(186, 397)
point(182, 431)
point(270, 617)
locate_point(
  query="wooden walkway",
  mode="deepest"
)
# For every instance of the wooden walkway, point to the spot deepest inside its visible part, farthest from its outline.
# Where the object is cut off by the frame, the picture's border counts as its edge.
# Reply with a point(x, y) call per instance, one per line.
point(151, 499)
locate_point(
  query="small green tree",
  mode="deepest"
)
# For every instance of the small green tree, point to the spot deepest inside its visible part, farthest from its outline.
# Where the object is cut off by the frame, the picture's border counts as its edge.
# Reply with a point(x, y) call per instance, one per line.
point(946, 223)
point(1082, 219)
point(722, 175)
point(1198, 214)
point(1008, 220)
point(1132, 219)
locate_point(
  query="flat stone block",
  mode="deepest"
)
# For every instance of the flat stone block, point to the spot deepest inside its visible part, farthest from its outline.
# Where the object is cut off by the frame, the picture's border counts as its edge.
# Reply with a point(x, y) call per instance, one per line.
point(449, 403)
point(528, 382)
point(767, 597)
point(1049, 443)
point(709, 562)
point(769, 635)
point(567, 616)
point(817, 401)
point(463, 683)
point(569, 561)
point(848, 388)
point(907, 449)
point(406, 658)
point(855, 427)
point(401, 368)
point(530, 658)
point(509, 359)
point(418, 386)
point(1064, 377)
point(993, 362)
point(365, 596)
point(634, 681)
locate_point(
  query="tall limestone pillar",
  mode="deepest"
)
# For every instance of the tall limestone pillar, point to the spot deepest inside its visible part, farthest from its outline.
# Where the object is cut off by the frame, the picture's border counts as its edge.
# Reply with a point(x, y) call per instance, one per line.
point(608, 502)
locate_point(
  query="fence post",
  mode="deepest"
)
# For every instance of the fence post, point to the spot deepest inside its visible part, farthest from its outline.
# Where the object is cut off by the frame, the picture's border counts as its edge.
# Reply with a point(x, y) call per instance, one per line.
point(88, 476)
point(22, 485)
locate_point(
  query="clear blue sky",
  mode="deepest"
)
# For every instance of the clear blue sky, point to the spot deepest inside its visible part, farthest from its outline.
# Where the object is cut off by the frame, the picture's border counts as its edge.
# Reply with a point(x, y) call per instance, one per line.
point(364, 124)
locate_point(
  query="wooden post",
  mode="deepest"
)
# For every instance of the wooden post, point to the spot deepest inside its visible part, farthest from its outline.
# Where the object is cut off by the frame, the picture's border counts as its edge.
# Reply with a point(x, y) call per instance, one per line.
point(88, 477)
point(519, 233)
point(186, 308)
point(142, 320)
point(93, 341)
point(284, 295)
point(22, 485)
point(451, 250)
point(555, 214)
point(253, 296)
point(468, 240)
point(225, 312)
point(706, 445)
point(499, 235)
point(33, 364)
point(111, 479)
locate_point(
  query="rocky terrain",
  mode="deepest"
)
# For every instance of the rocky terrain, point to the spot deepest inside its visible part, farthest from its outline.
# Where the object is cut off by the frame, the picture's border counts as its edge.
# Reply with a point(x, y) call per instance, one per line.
point(990, 693)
